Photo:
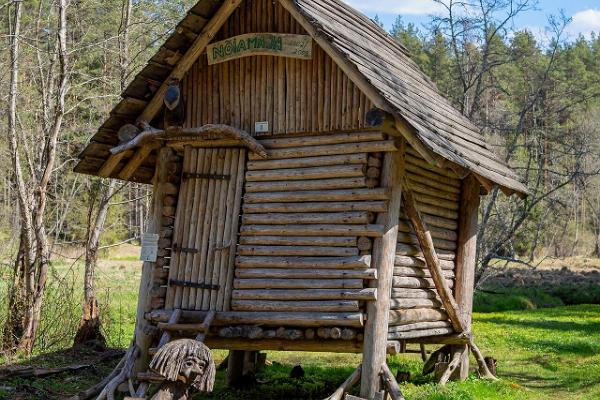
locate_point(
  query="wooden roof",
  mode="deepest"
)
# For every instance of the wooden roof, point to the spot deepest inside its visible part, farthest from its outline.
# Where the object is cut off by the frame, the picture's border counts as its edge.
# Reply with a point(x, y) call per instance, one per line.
point(380, 66)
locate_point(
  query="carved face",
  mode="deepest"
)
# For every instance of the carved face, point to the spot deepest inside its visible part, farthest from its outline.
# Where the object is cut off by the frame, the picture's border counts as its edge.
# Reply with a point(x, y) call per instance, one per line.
point(188, 361)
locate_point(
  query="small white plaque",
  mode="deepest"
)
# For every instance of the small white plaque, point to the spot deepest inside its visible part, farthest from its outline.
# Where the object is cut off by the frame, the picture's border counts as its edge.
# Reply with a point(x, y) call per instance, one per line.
point(149, 247)
point(261, 127)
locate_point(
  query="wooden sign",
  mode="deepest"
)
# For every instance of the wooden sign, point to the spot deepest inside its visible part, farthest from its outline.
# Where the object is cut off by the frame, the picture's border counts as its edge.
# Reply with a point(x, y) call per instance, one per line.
point(255, 44)
point(149, 247)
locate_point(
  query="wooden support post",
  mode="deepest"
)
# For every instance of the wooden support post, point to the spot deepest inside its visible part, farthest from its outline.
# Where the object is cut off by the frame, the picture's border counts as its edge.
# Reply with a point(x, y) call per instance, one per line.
point(466, 256)
point(384, 249)
point(433, 263)
point(142, 338)
point(235, 367)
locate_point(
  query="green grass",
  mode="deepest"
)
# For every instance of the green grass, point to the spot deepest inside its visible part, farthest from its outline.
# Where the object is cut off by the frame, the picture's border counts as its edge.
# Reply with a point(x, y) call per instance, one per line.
point(542, 352)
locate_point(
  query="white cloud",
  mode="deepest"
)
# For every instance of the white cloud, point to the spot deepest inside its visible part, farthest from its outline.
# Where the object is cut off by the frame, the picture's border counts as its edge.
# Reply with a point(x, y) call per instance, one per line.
point(402, 7)
point(585, 22)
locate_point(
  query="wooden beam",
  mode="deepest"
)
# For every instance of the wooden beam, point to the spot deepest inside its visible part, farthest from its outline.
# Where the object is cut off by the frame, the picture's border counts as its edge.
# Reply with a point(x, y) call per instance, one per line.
point(466, 256)
point(433, 263)
point(111, 163)
point(185, 63)
point(384, 250)
point(135, 162)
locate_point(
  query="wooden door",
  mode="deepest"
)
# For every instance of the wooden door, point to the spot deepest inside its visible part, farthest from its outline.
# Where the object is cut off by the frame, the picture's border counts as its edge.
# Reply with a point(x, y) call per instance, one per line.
point(206, 229)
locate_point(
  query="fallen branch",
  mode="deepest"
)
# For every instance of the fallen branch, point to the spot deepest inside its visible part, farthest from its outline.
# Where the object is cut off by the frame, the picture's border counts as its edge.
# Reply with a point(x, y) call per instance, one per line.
point(33, 372)
point(206, 132)
point(122, 376)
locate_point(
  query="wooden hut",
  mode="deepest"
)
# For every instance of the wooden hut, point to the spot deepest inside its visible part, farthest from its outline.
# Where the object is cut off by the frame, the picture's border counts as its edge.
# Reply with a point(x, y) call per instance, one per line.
point(319, 195)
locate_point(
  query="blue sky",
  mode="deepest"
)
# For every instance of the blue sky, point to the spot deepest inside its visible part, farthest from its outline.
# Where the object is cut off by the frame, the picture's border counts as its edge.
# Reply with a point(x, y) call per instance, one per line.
point(585, 13)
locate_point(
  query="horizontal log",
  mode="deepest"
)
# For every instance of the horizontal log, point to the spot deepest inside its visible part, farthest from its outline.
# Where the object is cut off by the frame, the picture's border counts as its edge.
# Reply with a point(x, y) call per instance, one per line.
point(416, 283)
point(292, 174)
point(195, 328)
point(310, 306)
point(252, 250)
point(304, 262)
point(298, 284)
point(318, 195)
point(419, 326)
point(419, 262)
point(412, 293)
point(433, 188)
point(323, 150)
point(436, 233)
point(437, 202)
point(420, 272)
point(456, 338)
point(327, 346)
point(412, 157)
point(352, 217)
point(403, 304)
point(368, 294)
point(439, 191)
point(416, 315)
point(285, 142)
point(440, 244)
point(226, 318)
point(313, 184)
point(264, 273)
point(304, 319)
point(340, 241)
point(314, 230)
point(415, 170)
point(414, 251)
point(434, 221)
point(435, 211)
point(420, 333)
point(373, 206)
point(307, 162)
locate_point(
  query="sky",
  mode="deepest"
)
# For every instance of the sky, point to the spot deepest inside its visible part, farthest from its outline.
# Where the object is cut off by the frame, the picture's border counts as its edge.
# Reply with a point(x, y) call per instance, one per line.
point(585, 14)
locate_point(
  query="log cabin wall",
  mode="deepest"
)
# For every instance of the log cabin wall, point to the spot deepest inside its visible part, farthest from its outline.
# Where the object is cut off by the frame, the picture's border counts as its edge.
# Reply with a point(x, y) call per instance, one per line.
point(416, 309)
point(307, 228)
point(293, 95)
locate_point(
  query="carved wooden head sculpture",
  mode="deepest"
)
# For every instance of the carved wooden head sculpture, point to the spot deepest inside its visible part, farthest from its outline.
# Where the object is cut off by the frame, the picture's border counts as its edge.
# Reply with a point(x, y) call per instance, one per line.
point(188, 361)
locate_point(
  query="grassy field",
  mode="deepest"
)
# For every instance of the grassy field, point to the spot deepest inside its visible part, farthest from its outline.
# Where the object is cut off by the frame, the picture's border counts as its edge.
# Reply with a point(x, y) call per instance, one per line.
point(542, 353)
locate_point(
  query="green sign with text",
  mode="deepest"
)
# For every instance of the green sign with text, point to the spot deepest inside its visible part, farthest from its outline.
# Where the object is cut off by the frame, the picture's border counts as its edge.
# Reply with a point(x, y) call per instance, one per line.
point(254, 44)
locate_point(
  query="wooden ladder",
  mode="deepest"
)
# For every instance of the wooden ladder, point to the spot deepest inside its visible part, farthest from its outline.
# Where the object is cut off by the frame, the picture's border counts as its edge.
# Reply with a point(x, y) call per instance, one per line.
point(201, 330)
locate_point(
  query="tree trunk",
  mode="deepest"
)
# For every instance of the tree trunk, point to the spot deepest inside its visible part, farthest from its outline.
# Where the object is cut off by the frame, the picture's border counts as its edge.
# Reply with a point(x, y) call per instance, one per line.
point(34, 255)
point(90, 325)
